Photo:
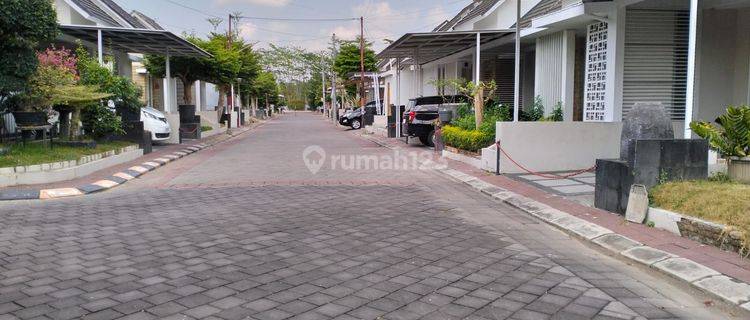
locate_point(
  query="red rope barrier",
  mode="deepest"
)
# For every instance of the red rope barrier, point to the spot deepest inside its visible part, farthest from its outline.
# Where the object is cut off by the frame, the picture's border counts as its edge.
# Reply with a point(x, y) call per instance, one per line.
point(543, 175)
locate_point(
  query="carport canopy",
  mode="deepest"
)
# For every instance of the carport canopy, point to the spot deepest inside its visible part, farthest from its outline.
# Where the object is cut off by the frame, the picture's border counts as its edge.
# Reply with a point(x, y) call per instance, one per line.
point(145, 41)
point(430, 46)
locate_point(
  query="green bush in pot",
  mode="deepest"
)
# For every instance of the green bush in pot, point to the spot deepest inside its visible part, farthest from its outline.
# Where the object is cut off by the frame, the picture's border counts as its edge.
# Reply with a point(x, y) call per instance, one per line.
point(731, 138)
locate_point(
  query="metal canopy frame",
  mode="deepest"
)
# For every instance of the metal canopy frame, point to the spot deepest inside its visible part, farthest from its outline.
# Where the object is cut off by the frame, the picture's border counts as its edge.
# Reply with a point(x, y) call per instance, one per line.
point(431, 46)
point(136, 40)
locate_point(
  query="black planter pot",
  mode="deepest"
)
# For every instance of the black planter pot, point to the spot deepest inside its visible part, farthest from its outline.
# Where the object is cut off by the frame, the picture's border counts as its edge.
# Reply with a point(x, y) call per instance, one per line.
point(128, 114)
point(187, 112)
point(30, 119)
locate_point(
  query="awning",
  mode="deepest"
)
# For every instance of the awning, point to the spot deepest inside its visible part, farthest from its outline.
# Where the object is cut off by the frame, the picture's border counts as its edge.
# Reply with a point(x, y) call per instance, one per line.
point(431, 46)
point(136, 40)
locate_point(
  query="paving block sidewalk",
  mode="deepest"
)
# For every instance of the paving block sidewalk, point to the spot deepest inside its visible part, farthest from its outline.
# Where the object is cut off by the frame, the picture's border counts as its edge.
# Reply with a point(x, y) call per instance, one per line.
point(724, 274)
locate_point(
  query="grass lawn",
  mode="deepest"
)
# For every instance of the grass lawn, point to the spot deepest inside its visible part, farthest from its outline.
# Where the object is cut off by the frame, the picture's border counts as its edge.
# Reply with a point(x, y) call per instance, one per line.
point(36, 153)
point(717, 201)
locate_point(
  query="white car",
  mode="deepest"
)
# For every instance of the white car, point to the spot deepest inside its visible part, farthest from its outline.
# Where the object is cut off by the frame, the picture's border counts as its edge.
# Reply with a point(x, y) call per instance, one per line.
point(156, 122)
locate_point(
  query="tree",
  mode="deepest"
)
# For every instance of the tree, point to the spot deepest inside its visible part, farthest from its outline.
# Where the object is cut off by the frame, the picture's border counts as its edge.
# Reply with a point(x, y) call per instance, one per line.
point(266, 88)
point(23, 25)
point(348, 61)
point(187, 69)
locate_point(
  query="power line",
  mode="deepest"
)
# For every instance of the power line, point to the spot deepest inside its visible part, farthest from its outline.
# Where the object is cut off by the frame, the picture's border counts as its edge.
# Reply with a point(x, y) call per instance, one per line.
point(300, 19)
point(261, 18)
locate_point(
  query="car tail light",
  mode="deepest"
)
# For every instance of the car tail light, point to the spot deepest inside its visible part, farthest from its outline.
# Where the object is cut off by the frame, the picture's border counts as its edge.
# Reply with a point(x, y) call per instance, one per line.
point(412, 115)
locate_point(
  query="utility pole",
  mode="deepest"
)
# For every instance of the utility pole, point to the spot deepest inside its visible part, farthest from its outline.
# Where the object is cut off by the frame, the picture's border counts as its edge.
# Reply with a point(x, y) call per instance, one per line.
point(334, 108)
point(230, 101)
point(323, 80)
point(362, 67)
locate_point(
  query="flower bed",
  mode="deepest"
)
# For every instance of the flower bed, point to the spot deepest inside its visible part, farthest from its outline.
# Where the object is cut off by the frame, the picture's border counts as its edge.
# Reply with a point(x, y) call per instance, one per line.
point(468, 140)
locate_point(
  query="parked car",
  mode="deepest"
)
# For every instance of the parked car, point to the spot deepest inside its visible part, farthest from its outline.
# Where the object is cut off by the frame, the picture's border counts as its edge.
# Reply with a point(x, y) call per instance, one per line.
point(420, 115)
point(156, 122)
point(352, 117)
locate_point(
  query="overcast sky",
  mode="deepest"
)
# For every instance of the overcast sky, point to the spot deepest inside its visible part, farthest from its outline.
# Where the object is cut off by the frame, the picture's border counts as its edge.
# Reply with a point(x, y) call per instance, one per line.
point(383, 18)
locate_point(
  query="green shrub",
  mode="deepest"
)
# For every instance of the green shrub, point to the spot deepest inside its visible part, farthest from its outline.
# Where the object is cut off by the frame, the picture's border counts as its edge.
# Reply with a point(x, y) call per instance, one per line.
point(101, 122)
point(469, 140)
point(557, 114)
point(732, 138)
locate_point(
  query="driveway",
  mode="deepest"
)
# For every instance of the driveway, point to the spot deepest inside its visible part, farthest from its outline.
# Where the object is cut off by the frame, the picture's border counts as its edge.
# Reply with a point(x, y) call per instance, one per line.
point(245, 230)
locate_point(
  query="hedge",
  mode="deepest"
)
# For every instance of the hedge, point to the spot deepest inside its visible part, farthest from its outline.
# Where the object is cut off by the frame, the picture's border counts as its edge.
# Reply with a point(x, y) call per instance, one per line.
point(469, 140)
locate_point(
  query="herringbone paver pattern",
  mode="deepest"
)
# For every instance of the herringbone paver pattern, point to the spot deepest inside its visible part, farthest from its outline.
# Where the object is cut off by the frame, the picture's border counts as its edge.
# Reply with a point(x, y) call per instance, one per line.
point(261, 250)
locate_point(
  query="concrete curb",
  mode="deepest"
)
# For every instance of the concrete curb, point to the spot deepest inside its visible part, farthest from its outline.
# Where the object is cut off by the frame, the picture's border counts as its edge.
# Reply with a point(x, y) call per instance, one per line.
point(697, 275)
point(115, 179)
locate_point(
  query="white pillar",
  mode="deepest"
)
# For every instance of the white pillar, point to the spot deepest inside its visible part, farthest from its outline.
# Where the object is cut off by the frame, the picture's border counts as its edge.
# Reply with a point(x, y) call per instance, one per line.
point(568, 74)
point(376, 91)
point(615, 64)
point(100, 46)
point(517, 68)
point(478, 59)
point(398, 97)
point(167, 86)
point(690, 92)
point(197, 95)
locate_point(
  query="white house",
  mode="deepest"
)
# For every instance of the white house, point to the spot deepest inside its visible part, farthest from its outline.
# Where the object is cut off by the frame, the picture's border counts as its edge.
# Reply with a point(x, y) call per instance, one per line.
point(595, 58)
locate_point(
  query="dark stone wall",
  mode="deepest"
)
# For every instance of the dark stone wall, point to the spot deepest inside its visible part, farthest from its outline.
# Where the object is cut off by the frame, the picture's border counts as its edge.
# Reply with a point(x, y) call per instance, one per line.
point(648, 162)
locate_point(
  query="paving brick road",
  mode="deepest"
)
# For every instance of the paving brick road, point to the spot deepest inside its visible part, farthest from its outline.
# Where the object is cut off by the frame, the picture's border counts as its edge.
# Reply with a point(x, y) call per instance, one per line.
point(245, 231)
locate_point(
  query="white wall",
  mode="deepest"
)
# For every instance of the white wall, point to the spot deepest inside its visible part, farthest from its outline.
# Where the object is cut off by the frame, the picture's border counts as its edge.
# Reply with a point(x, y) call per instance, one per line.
point(429, 76)
point(723, 62)
point(407, 86)
point(557, 146)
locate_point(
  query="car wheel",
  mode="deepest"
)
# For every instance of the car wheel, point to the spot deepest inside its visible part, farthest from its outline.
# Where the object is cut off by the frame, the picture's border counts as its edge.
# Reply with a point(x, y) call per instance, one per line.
point(431, 138)
point(428, 139)
point(356, 124)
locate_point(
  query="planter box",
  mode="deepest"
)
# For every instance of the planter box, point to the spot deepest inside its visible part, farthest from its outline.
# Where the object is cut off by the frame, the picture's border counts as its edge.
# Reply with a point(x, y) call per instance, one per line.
point(739, 169)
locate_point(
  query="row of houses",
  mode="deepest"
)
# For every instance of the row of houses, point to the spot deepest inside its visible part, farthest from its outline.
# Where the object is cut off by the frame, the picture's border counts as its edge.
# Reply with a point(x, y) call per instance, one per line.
point(595, 58)
point(74, 15)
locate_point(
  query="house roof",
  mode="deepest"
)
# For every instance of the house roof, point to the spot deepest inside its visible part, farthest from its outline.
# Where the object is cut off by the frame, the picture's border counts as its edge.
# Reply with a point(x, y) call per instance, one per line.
point(431, 46)
point(110, 12)
point(122, 13)
point(147, 22)
point(131, 40)
point(95, 11)
point(474, 9)
point(542, 8)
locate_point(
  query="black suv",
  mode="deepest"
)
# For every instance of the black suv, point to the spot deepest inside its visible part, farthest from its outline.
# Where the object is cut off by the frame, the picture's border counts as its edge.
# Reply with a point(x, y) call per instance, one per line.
point(421, 113)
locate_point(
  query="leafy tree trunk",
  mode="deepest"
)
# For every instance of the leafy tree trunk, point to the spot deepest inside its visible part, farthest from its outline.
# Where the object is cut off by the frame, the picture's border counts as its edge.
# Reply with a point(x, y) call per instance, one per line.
point(222, 102)
point(479, 107)
point(187, 91)
point(75, 127)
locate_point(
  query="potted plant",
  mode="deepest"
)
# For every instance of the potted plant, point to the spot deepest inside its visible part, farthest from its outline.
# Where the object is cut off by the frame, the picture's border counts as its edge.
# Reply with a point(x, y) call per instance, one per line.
point(731, 138)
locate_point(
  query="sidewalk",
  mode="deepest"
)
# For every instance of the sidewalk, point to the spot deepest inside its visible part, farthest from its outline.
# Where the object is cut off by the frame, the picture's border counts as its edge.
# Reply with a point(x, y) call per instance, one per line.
point(167, 152)
point(726, 263)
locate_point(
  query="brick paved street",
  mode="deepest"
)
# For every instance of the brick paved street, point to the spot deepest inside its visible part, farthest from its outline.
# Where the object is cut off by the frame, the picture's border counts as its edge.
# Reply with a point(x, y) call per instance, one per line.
point(245, 231)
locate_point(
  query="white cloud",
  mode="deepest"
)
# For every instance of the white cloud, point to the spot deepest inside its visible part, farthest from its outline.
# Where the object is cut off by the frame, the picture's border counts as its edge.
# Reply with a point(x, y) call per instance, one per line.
point(247, 30)
point(265, 3)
